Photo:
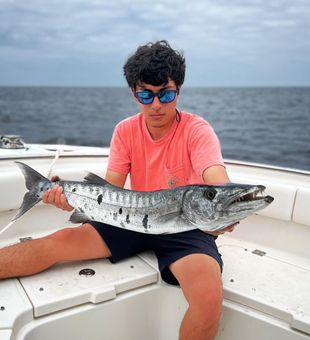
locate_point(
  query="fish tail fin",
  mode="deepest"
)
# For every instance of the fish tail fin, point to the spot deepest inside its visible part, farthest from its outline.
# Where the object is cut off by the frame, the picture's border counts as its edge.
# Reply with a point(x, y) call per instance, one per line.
point(33, 196)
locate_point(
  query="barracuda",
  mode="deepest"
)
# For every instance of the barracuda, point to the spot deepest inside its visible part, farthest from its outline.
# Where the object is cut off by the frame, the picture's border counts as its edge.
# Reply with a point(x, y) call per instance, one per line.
point(208, 208)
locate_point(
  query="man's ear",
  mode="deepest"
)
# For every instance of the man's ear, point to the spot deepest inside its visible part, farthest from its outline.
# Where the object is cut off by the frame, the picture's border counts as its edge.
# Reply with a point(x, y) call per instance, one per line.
point(133, 92)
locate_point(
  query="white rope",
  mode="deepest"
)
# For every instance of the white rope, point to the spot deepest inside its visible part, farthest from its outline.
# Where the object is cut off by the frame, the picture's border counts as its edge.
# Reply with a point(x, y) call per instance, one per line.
point(7, 227)
point(49, 170)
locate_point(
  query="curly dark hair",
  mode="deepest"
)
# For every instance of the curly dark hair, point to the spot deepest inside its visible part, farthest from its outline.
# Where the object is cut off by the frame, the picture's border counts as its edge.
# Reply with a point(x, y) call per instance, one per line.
point(153, 64)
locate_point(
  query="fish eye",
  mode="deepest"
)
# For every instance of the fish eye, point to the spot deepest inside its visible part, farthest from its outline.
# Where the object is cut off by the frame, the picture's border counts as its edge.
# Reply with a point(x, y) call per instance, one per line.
point(210, 194)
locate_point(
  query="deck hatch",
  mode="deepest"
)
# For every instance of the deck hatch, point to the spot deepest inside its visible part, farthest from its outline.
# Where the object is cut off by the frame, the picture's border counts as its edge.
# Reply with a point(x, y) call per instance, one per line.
point(63, 286)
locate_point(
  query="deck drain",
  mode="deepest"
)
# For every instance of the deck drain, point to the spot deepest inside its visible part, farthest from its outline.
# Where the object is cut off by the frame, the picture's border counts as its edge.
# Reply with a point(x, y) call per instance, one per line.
point(87, 272)
point(259, 252)
point(24, 239)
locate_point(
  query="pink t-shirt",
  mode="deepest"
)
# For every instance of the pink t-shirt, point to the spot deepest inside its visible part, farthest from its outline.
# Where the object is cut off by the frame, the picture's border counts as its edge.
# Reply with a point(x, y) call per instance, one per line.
point(179, 158)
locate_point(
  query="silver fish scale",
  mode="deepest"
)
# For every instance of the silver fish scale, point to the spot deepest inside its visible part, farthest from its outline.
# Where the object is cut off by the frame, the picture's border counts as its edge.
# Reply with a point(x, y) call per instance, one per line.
point(123, 208)
point(149, 212)
point(115, 196)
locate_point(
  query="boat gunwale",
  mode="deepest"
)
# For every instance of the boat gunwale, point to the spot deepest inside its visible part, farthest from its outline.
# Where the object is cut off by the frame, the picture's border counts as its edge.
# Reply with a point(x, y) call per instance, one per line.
point(89, 151)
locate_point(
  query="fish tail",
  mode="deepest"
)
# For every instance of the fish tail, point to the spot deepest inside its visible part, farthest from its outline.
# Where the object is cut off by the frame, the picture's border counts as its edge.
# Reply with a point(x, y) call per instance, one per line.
point(32, 180)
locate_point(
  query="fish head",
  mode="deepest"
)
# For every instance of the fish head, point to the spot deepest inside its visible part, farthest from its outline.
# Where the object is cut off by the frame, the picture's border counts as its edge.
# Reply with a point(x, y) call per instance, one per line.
point(215, 207)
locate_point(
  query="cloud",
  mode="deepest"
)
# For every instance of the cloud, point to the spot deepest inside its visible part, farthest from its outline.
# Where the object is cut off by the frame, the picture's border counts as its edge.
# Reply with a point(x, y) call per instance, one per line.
point(257, 33)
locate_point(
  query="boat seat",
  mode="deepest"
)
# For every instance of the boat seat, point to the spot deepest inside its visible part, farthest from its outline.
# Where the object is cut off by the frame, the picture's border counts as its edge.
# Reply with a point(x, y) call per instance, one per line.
point(282, 206)
point(301, 213)
point(291, 203)
point(267, 283)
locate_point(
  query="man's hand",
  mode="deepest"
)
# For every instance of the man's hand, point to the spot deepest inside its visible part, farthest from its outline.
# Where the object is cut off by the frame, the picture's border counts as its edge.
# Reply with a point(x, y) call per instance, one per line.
point(222, 231)
point(56, 197)
point(217, 175)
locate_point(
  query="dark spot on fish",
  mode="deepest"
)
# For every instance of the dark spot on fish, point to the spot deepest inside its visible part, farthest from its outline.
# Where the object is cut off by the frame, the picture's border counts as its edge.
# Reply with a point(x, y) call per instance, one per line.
point(145, 221)
point(127, 219)
point(92, 218)
point(81, 210)
point(122, 225)
point(99, 199)
point(120, 211)
point(74, 190)
point(115, 216)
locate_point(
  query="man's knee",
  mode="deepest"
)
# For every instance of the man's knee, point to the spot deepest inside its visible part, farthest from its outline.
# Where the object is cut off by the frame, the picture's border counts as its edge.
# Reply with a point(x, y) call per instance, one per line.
point(59, 242)
point(207, 302)
point(79, 243)
point(72, 235)
point(63, 236)
point(200, 279)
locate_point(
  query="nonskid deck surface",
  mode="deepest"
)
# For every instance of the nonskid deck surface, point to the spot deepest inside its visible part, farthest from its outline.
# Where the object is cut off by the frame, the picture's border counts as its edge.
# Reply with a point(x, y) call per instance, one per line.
point(270, 285)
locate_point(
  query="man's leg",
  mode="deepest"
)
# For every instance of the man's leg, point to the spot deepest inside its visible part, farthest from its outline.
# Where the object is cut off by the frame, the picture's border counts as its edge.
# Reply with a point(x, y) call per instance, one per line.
point(199, 276)
point(69, 244)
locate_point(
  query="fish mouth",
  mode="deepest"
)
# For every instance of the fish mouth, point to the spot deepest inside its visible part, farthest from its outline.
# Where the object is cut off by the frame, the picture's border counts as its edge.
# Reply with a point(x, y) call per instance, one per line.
point(248, 199)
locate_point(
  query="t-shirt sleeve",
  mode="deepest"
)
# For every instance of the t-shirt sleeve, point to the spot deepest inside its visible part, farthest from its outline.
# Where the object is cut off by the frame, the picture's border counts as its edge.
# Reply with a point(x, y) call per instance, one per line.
point(205, 148)
point(119, 158)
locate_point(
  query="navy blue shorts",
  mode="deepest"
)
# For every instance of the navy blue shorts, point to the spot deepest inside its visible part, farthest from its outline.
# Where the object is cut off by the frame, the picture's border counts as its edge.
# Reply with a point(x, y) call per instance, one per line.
point(168, 248)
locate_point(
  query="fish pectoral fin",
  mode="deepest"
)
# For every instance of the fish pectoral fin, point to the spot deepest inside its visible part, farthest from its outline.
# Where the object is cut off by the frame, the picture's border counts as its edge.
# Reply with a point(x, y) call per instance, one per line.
point(95, 179)
point(168, 217)
point(78, 217)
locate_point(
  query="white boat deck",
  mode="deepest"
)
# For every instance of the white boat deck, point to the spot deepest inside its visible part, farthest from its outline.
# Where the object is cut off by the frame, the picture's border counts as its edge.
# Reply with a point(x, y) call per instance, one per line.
point(266, 272)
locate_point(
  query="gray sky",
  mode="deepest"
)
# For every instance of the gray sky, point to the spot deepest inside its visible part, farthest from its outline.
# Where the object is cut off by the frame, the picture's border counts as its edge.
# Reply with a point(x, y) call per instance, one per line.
point(85, 42)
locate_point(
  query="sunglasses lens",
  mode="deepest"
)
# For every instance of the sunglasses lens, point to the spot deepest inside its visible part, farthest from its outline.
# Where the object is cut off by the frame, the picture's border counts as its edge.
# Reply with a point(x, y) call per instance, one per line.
point(167, 96)
point(145, 97)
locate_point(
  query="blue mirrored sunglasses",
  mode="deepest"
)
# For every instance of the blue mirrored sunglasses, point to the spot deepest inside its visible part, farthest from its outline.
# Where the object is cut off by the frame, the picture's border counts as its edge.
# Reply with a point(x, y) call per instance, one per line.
point(147, 97)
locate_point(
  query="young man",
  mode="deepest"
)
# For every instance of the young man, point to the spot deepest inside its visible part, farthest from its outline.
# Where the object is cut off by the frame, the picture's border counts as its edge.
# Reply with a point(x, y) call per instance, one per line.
point(161, 147)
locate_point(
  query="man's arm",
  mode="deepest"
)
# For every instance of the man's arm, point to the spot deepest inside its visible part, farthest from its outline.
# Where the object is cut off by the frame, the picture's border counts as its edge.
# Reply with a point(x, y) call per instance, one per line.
point(115, 178)
point(215, 175)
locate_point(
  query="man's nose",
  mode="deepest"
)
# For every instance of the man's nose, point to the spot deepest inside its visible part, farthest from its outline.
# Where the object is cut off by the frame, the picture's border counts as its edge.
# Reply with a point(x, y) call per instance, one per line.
point(156, 103)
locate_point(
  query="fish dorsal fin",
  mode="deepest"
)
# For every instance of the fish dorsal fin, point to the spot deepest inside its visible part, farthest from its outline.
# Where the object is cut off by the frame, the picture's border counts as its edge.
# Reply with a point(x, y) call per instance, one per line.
point(92, 178)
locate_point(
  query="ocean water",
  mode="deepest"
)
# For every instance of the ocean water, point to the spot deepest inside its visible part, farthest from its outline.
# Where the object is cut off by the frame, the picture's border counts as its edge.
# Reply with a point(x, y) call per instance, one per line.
point(262, 125)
